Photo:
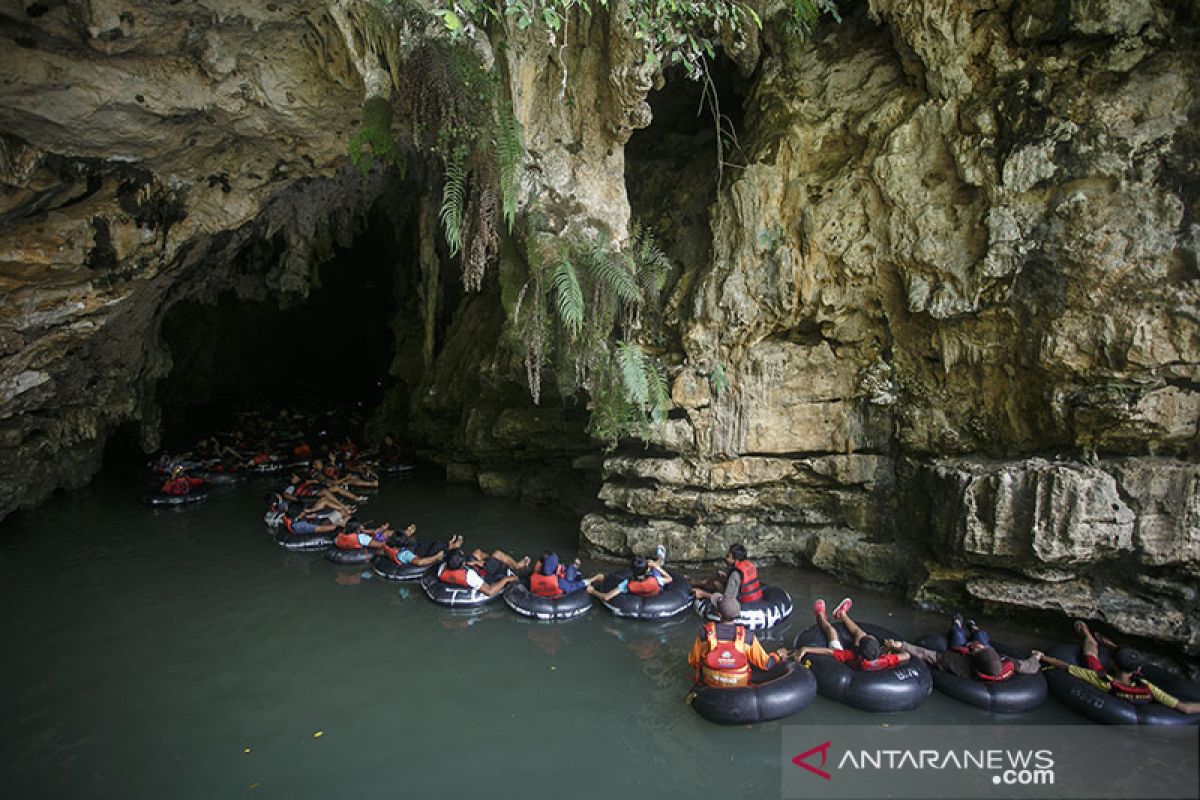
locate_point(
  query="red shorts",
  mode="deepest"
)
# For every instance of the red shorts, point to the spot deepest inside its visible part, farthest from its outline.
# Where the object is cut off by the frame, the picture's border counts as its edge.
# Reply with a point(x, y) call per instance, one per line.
point(1093, 663)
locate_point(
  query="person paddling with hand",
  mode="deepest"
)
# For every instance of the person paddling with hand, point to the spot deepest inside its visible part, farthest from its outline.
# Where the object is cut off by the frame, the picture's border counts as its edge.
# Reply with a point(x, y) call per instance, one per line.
point(1124, 680)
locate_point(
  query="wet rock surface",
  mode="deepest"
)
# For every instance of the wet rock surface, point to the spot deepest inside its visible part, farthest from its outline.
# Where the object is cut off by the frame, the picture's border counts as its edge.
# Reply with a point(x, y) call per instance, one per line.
point(939, 328)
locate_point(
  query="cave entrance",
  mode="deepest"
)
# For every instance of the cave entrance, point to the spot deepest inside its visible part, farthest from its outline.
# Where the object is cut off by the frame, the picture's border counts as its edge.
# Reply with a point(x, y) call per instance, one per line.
point(329, 355)
point(671, 166)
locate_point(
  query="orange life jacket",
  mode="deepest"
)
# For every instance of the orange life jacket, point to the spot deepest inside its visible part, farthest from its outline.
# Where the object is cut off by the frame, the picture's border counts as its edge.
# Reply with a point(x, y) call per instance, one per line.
point(347, 541)
point(260, 458)
point(725, 665)
point(545, 585)
point(751, 589)
point(645, 587)
point(458, 577)
point(302, 451)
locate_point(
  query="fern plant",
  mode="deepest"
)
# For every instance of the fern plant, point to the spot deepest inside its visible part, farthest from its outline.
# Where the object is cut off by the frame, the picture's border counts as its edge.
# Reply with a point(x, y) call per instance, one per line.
point(454, 191)
point(579, 312)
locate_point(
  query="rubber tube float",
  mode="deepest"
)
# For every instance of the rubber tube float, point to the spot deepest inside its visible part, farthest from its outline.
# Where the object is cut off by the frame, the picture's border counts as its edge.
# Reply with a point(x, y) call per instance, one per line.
point(882, 691)
point(774, 694)
point(1111, 710)
point(1010, 696)
point(520, 599)
point(674, 598)
point(446, 594)
point(774, 608)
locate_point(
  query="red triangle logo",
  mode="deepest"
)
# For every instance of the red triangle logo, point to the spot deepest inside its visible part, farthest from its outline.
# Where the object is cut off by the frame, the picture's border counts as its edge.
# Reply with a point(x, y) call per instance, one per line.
point(800, 760)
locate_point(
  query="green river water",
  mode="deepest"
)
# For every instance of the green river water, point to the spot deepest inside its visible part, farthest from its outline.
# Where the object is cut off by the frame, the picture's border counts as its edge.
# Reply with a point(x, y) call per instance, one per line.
point(183, 654)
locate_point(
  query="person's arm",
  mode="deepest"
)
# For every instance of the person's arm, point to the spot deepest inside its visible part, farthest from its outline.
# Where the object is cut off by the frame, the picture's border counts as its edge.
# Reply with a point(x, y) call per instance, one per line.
point(923, 653)
point(813, 651)
point(697, 653)
point(491, 589)
point(902, 658)
point(1051, 660)
point(761, 658)
point(733, 583)
point(428, 560)
point(664, 577)
point(1027, 666)
point(1170, 700)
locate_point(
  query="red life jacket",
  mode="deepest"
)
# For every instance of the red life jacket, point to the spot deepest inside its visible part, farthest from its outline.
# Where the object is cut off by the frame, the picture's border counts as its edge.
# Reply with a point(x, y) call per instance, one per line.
point(646, 587)
point(287, 523)
point(307, 489)
point(260, 458)
point(1007, 670)
point(331, 473)
point(885, 661)
point(176, 486)
point(302, 451)
point(725, 665)
point(347, 541)
point(545, 585)
point(751, 590)
point(458, 577)
point(1133, 693)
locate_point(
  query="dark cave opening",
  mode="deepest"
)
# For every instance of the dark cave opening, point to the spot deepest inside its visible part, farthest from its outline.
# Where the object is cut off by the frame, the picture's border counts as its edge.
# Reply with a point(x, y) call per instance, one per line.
point(672, 167)
point(331, 354)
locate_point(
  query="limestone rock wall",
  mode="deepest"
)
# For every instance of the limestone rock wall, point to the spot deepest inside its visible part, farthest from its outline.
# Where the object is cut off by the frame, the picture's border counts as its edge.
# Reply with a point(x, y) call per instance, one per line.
point(942, 332)
point(949, 333)
point(145, 148)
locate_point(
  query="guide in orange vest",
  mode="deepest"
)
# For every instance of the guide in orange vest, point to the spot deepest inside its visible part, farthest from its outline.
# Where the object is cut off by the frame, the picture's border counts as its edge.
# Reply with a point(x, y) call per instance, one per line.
point(724, 652)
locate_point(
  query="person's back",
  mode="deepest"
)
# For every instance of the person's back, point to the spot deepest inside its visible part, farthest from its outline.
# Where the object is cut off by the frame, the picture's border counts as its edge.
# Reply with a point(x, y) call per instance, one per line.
point(725, 665)
point(725, 651)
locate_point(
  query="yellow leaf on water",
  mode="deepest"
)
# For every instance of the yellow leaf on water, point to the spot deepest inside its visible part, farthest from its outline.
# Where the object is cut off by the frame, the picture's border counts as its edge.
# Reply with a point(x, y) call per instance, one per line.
point(318, 734)
point(245, 749)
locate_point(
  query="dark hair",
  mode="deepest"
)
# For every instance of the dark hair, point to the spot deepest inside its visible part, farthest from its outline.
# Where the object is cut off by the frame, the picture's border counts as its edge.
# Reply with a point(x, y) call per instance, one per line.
point(738, 551)
point(639, 566)
point(353, 526)
point(295, 509)
point(1128, 660)
point(455, 559)
point(869, 649)
point(986, 661)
